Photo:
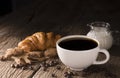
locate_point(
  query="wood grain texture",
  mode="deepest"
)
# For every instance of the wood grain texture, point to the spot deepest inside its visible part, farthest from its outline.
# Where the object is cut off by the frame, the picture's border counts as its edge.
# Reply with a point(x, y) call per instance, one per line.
point(111, 66)
point(10, 41)
point(42, 16)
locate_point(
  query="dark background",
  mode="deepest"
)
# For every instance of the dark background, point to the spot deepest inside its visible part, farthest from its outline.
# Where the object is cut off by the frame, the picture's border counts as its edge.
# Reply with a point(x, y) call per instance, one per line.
point(5, 7)
point(35, 14)
point(72, 10)
point(68, 11)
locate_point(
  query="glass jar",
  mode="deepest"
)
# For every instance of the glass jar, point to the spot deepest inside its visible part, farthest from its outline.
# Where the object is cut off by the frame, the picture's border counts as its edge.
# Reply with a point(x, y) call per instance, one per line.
point(101, 32)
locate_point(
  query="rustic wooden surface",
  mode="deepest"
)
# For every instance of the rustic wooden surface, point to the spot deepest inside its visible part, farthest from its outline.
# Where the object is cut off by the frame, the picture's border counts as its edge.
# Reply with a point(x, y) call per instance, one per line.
point(42, 17)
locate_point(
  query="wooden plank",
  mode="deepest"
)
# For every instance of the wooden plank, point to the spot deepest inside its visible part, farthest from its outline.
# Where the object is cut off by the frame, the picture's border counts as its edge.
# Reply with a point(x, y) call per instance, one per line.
point(41, 16)
point(9, 41)
point(8, 72)
point(12, 39)
point(113, 66)
point(5, 66)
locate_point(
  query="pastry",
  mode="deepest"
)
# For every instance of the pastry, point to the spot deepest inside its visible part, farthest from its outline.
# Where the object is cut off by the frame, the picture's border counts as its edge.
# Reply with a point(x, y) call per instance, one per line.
point(39, 46)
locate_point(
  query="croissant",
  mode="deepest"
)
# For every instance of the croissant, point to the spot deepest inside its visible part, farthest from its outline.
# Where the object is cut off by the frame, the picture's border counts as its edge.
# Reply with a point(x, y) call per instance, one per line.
point(39, 46)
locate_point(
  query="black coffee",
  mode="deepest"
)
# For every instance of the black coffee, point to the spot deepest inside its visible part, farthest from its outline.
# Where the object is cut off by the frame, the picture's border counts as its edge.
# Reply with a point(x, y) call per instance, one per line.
point(78, 44)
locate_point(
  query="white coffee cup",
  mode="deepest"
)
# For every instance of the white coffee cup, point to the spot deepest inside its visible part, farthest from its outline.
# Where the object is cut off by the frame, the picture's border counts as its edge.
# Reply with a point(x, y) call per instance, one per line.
point(81, 58)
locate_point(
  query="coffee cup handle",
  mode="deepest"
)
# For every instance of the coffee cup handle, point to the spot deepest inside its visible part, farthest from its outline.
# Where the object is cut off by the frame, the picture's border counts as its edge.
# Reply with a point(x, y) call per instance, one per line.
point(107, 57)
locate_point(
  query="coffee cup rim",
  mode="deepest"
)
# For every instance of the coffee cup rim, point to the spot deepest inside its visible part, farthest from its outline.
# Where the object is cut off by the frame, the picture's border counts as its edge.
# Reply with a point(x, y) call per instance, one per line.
point(76, 36)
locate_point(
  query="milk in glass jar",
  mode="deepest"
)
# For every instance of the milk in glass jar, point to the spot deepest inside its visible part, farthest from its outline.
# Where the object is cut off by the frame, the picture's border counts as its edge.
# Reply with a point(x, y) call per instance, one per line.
point(101, 32)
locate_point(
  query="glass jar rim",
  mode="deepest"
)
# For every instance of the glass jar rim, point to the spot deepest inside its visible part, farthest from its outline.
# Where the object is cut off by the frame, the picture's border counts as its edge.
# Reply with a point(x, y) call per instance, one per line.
point(99, 24)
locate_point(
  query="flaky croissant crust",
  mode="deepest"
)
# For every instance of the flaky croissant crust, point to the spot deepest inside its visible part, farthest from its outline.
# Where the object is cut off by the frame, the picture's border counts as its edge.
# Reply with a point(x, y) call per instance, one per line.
point(39, 41)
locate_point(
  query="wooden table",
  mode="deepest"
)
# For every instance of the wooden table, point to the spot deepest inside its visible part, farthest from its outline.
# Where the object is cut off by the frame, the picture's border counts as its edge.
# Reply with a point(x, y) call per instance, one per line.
point(17, 25)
